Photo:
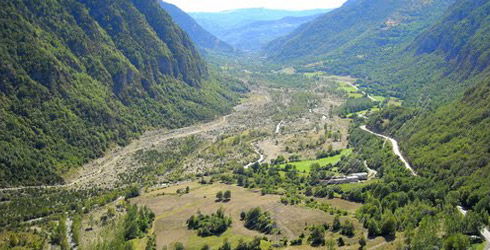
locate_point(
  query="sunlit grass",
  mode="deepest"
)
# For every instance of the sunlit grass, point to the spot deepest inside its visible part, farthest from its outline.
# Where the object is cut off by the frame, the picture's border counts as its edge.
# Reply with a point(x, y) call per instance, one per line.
point(306, 165)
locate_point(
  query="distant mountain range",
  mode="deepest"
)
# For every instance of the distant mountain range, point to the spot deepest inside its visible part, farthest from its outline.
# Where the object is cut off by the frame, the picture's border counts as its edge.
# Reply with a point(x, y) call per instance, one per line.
point(215, 22)
point(251, 29)
point(256, 35)
point(201, 37)
point(414, 49)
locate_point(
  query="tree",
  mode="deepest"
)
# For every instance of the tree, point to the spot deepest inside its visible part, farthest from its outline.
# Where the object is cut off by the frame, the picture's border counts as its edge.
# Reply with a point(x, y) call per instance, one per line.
point(243, 215)
point(372, 226)
point(336, 223)
point(151, 243)
point(187, 189)
point(426, 235)
point(178, 246)
point(205, 247)
point(219, 196)
point(362, 242)
point(348, 228)
point(227, 195)
point(317, 236)
point(388, 225)
point(340, 241)
point(457, 242)
point(226, 245)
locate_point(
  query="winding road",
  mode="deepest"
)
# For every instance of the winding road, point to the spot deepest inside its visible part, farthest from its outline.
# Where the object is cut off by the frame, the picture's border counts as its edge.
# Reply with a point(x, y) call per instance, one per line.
point(261, 158)
point(396, 149)
point(278, 127)
point(484, 231)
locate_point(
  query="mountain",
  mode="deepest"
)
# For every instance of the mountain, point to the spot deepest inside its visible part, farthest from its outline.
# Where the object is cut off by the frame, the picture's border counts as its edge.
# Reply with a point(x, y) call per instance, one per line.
point(448, 140)
point(198, 35)
point(425, 52)
point(439, 64)
point(219, 22)
point(79, 76)
point(256, 35)
point(448, 144)
point(360, 27)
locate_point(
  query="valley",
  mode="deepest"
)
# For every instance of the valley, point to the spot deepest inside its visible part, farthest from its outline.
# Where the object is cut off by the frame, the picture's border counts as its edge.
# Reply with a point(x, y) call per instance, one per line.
point(142, 125)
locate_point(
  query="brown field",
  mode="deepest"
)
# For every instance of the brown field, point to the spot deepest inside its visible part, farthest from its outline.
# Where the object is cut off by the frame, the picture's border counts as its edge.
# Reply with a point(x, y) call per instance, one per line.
point(341, 204)
point(172, 210)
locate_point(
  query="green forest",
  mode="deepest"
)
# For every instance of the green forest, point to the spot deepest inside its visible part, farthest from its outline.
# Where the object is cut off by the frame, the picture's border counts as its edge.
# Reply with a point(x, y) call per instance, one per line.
point(79, 77)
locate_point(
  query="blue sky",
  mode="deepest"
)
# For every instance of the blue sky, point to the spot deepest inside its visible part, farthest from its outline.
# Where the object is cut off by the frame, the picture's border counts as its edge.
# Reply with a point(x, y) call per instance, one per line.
point(220, 5)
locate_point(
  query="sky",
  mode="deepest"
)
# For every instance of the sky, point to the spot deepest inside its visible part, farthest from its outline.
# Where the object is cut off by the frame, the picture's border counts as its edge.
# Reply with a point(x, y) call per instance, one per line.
point(220, 5)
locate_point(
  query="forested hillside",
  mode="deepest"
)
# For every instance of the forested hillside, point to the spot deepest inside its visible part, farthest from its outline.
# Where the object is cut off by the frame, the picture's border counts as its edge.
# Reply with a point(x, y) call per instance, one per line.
point(198, 34)
point(360, 28)
point(424, 57)
point(450, 145)
point(441, 63)
point(78, 76)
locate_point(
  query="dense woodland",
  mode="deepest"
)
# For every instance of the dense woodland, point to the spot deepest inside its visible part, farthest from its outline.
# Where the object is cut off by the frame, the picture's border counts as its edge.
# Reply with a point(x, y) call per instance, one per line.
point(425, 52)
point(81, 76)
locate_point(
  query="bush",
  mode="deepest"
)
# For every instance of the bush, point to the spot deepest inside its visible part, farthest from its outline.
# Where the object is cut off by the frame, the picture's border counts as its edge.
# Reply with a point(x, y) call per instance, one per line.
point(207, 225)
point(260, 221)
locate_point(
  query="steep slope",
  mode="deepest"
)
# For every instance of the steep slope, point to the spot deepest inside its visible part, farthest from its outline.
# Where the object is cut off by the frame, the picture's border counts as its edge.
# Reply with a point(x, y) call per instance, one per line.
point(77, 76)
point(360, 27)
point(220, 22)
point(449, 144)
point(436, 67)
point(429, 59)
point(256, 35)
point(198, 35)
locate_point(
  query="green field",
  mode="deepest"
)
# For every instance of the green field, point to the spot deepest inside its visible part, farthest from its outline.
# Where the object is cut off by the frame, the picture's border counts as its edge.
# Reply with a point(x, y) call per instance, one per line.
point(354, 95)
point(305, 165)
point(363, 112)
point(379, 98)
point(348, 88)
point(314, 74)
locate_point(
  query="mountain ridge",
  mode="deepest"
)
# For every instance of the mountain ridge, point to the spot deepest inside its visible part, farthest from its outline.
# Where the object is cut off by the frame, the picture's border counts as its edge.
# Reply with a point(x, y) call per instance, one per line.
point(80, 76)
point(198, 34)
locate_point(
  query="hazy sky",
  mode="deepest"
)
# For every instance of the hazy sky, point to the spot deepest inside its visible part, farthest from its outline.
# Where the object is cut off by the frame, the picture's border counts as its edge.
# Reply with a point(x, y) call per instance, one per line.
point(219, 5)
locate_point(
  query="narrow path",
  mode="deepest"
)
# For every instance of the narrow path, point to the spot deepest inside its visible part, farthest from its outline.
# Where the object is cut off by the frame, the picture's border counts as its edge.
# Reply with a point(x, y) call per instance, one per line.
point(69, 234)
point(396, 149)
point(371, 172)
point(484, 231)
point(260, 160)
point(278, 127)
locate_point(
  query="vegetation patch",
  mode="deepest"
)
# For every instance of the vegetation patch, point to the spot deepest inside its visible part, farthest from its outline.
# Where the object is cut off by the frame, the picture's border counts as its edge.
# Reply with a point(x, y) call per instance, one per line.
point(207, 225)
point(256, 219)
point(305, 166)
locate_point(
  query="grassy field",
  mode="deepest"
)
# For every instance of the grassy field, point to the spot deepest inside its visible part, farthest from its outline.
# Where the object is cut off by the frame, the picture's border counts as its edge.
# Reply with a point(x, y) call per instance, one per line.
point(172, 210)
point(349, 186)
point(354, 95)
point(305, 165)
point(348, 88)
point(395, 102)
point(379, 98)
point(363, 112)
point(314, 74)
point(341, 204)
